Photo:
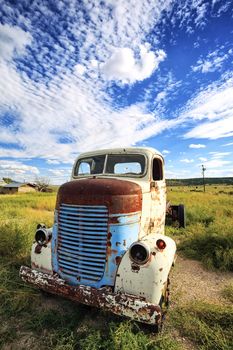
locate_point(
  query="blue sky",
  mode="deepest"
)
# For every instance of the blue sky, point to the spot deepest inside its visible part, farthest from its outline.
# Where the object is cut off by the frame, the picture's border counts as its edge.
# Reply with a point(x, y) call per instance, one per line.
point(86, 75)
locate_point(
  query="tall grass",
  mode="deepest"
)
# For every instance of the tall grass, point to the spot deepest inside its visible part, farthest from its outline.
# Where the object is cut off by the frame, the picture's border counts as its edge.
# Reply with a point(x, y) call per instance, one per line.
point(209, 326)
point(31, 320)
point(208, 235)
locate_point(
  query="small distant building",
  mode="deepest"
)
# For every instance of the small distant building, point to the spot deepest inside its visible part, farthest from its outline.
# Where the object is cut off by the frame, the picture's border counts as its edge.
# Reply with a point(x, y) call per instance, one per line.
point(17, 187)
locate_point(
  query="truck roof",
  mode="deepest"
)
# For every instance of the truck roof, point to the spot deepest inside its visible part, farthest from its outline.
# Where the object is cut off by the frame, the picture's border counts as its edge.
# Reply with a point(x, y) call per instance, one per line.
point(122, 150)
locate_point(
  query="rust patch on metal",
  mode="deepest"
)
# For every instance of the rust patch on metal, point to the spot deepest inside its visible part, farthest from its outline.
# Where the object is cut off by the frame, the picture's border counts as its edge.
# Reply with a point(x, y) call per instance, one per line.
point(135, 268)
point(118, 260)
point(121, 304)
point(35, 266)
point(114, 220)
point(161, 269)
point(119, 196)
point(38, 249)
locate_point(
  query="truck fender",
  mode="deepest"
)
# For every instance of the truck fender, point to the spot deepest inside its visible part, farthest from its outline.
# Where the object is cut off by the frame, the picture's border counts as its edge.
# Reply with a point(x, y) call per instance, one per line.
point(148, 280)
point(41, 258)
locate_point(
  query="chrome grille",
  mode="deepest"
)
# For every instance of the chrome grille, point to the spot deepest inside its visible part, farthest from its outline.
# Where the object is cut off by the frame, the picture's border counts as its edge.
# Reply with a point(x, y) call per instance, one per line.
point(82, 241)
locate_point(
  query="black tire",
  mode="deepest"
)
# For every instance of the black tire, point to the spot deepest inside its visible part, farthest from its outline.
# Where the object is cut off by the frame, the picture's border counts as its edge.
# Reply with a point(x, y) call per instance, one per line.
point(181, 216)
point(164, 304)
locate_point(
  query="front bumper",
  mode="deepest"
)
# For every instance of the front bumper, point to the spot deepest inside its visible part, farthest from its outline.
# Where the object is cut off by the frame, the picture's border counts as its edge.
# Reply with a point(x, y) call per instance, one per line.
point(121, 304)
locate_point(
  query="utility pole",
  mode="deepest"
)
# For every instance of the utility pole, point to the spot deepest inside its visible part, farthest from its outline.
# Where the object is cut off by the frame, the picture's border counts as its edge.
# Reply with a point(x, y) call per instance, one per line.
point(203, 175)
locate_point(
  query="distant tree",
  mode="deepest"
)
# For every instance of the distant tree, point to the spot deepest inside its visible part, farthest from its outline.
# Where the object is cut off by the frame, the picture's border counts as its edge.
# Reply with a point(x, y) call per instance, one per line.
point(7, 180)
point(42, 184)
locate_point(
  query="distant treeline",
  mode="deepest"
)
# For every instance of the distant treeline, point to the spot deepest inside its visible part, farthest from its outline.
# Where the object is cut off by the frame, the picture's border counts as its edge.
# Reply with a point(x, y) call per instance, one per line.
point(199, 181)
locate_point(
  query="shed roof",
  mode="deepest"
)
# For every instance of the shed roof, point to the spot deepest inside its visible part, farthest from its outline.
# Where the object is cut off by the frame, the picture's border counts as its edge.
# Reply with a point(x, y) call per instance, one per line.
point(14, 184)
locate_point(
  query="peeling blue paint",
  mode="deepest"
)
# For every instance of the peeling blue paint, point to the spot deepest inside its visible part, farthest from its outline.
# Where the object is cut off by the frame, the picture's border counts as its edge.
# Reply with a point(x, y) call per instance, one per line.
point(92, 257)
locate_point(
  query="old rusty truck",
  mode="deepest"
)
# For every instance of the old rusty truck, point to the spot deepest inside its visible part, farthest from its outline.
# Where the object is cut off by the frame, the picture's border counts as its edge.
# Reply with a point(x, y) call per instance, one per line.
point(107, 246)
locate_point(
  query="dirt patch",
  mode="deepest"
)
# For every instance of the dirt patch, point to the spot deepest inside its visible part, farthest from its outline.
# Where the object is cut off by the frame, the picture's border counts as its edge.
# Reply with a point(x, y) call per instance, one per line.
point(190, 281)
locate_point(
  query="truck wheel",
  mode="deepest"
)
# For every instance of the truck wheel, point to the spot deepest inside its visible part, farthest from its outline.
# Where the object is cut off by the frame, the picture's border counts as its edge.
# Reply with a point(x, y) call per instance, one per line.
point(164, 304)
point(158, 327)
point(181, 216)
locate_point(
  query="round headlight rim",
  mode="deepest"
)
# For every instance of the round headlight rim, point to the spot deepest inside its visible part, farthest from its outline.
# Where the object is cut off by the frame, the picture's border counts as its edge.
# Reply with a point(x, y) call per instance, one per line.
point(45, 240)
point(147, 248)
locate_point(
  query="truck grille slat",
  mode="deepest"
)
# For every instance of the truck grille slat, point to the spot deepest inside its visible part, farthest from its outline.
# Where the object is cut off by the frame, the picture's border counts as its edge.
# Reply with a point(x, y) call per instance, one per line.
point(84, 208)
point(78, 248)
point(84, 255)
point(89, 263)
point(80, 268)
point(80, 218)
point(82, 223)
point(77, 256)
point(80, 273)
point(84, 277)
point(81, 244)
point(82, 241)
point(83, 232)
point(84, 238)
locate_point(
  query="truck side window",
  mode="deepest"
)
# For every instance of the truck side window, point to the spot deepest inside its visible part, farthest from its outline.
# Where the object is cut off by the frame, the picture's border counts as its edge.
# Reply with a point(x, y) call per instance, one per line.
point(89, 166)
point(157, 169)
point(84, 168)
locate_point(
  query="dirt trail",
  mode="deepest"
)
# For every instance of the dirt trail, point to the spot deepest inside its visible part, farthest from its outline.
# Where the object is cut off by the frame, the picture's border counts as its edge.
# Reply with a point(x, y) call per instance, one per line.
point(190, 281)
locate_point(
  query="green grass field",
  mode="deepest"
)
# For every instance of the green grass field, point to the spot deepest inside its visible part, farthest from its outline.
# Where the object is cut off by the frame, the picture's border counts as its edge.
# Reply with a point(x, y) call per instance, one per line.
point(31, 320)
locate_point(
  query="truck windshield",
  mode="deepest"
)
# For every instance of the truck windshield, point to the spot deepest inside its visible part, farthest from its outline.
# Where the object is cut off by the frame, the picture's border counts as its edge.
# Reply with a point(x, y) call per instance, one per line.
point(116, 164)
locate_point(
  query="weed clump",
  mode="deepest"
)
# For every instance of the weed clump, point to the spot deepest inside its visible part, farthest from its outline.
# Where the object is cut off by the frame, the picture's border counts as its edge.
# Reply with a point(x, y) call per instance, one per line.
point(126, 336)
point(227, 292)
point(209, 326)
point(215, 251)
point(15, 239)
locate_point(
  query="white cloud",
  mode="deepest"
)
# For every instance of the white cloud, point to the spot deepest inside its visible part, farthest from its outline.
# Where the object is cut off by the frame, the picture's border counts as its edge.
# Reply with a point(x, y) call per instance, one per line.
point(228, 144)
point(68, 109)
point(17, 170)
point(80, 69)
point(52, 161)
point(57, 172)
point(186, 160)
point(40, 116)
point(214, 106)
point(13, 40)
point(161, 96)
point(123, 66)
point(165, 151)
point(219, 154)
point(217, 163)
point(212, 62)
point(202, 159)
point(60, 111)
point(192, 145)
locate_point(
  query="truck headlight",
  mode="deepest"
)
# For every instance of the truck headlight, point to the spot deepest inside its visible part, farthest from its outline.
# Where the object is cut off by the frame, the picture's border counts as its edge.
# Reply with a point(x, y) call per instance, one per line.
point(43, 235)
point(139, 253)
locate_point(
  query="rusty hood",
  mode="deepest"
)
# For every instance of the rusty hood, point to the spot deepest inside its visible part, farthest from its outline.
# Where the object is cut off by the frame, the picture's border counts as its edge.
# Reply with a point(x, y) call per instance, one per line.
point(120, 196)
